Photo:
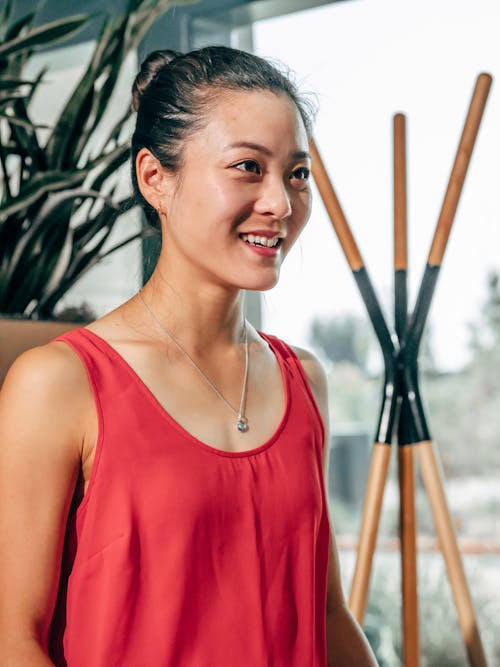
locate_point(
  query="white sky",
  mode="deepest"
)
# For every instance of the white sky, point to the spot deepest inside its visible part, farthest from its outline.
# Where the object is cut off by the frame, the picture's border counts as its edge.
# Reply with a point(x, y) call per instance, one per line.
point(366, 60)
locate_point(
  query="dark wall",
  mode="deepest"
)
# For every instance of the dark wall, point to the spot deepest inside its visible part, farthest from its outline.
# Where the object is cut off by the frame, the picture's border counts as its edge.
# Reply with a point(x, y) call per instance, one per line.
point(169, 30)
point(53, 9)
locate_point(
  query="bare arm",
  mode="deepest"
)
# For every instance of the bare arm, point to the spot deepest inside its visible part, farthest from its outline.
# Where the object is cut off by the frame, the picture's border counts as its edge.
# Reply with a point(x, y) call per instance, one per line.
point(346, 644)
point(40, 452)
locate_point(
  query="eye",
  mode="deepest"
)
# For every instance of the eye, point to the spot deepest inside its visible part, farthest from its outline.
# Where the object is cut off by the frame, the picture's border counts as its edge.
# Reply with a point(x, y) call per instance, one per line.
point(301, 174)
point(250, 166)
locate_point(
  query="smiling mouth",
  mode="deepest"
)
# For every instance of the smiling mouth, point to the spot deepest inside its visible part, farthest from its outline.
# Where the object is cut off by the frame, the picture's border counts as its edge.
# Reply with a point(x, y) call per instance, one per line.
point(262, 242)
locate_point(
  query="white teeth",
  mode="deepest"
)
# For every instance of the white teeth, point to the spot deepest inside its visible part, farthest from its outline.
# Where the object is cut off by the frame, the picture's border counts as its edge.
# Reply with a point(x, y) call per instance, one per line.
point(261, 240)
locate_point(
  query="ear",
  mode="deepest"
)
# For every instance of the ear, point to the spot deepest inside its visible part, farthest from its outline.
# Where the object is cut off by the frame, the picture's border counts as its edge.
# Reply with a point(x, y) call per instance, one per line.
point(154, 181)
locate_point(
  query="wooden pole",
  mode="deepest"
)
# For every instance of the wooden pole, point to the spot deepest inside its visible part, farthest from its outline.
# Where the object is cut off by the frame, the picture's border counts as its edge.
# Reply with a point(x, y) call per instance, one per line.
point(407, 518)
point(444, 528)
point(374, 495)
point(459, 170)
point(411, 648)
point(400, 206)
point(334, 209)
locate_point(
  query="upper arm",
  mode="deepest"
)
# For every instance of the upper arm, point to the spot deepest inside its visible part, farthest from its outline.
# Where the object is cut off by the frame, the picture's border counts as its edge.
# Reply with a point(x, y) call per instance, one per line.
point(40, 450)
point(318, 382)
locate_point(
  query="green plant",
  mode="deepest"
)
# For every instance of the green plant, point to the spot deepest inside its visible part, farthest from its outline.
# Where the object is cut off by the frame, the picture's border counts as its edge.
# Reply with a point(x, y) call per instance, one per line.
point(59, 201)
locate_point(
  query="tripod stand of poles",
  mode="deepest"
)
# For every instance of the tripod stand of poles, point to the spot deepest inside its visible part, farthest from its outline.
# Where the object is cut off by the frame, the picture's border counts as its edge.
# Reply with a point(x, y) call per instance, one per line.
point(402, 417)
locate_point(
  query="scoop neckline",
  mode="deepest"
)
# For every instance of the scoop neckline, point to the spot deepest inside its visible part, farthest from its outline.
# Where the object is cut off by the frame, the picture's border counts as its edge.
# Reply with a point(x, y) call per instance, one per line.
point(173, 422)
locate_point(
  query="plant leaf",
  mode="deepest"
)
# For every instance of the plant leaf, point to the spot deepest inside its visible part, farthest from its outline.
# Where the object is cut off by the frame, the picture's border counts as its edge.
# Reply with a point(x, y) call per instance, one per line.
point(27, 124)
point(56, 210)
point(116, 159)
point(44, 35)
point(38, 259)
point(61, 265)
point(7, 83)
point(87, 262)
point(16, 28)
point(71, 118)
point(6, 100)
point(114, 133)
point(40, 185)
point(100, 101)
point(5, 17)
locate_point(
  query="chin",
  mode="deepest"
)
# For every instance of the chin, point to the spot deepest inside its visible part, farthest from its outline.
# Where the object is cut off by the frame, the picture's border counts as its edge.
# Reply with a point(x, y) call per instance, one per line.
point(261, 285)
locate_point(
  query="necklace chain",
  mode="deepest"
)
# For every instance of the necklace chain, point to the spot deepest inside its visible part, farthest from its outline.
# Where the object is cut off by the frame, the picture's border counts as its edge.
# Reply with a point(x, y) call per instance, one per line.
point(242, 421)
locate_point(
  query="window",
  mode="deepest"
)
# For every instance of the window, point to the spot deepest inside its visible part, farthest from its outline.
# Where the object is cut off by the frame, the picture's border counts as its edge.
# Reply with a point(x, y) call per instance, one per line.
point(367, 61)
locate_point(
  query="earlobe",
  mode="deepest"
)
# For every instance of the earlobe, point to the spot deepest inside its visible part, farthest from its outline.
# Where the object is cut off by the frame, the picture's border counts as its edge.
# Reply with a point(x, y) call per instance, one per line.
point(161, 213)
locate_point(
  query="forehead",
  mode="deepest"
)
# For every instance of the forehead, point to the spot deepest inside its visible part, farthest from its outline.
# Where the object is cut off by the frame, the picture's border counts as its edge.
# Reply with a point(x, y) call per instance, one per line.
point(259, 116)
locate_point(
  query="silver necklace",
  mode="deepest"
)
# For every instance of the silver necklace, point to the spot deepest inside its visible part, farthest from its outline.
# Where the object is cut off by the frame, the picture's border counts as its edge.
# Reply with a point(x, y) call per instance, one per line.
point(241, 420)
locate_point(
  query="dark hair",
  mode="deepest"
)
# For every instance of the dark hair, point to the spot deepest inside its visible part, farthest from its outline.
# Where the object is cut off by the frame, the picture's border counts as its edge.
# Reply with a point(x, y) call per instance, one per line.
point(173, 93)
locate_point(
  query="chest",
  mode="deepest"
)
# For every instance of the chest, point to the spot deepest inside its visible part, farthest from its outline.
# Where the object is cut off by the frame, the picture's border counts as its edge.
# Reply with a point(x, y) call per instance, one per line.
point(208, 409)
point(183, 399)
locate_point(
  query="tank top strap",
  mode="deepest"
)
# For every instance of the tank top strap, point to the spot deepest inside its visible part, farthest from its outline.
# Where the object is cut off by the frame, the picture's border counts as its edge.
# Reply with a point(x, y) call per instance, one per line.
point(293, 362)
point(103, 376)
point(108, 373)
point(79, 343)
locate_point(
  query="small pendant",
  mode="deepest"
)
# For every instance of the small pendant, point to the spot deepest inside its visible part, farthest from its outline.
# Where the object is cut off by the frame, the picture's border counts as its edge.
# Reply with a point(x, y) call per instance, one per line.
point(242, 424)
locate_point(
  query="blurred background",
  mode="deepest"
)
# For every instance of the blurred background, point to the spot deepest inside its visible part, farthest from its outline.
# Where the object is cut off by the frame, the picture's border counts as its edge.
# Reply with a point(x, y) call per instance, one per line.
point(361, 61)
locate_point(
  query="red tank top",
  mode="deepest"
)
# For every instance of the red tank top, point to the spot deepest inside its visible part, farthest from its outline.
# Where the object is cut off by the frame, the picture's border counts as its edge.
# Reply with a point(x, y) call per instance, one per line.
point(183, 555)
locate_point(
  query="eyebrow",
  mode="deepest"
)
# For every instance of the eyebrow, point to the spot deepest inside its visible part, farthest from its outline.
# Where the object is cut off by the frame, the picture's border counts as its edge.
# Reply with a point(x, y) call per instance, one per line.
point(298, 155)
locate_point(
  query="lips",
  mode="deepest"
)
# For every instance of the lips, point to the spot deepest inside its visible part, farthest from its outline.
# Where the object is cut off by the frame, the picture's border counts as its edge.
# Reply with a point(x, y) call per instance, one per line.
point(263, 251)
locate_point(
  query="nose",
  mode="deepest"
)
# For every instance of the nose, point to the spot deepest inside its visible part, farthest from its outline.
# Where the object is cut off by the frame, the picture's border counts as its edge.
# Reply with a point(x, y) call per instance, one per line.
point(274, 199)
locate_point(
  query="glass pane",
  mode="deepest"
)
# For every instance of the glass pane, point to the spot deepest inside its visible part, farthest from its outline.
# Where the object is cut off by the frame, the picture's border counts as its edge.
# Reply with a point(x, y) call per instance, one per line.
point(365, 61)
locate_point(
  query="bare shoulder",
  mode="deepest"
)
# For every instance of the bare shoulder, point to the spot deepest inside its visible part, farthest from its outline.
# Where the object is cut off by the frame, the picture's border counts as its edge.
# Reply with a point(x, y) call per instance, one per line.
point(48, 385)
point(313, 368)
point(52, 368)
point(317, 378)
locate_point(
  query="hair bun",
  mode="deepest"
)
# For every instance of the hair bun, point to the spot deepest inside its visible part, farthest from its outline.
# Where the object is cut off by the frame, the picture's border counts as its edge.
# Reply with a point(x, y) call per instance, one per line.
point(150, 67)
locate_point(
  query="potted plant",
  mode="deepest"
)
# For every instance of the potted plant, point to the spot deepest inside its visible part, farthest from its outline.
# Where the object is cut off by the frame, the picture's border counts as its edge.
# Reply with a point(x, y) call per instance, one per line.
point(58, 198)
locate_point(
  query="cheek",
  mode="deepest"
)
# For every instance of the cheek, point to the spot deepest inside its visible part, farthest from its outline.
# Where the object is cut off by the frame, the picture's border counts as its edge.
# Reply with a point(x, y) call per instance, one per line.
point(308, 202)
point(302, 208)
point(211, 209)
point(224, 198)
point(301, 214)
point(227, 197)
point(227, 207)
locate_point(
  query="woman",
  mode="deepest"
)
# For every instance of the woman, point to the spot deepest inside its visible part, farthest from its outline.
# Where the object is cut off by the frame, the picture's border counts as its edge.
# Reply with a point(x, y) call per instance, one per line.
point(162, 467)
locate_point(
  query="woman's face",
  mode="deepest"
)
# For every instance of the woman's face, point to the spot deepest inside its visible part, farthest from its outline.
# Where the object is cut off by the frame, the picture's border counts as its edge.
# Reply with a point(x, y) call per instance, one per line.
point(245, 173)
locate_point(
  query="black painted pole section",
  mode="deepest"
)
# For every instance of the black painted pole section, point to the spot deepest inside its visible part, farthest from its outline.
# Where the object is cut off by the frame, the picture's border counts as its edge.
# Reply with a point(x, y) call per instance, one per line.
point(416, 428)
point(422, 306)
point(390, 349)
point(407, 433)
point(400, 302)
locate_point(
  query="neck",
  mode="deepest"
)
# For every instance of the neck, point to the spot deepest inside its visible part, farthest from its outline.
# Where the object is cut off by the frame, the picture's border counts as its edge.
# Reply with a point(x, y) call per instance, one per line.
point(201, 316)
